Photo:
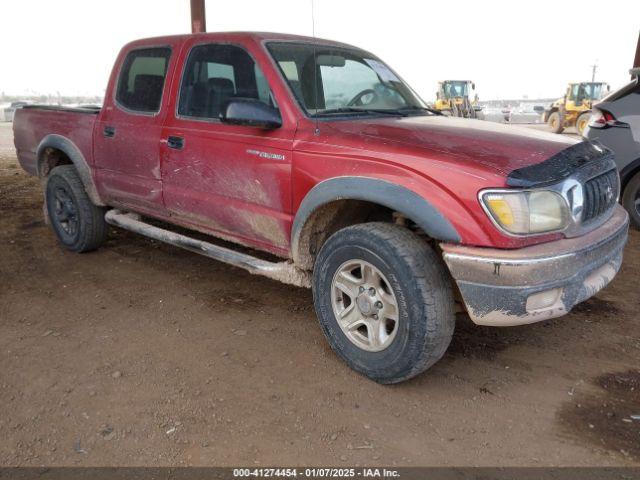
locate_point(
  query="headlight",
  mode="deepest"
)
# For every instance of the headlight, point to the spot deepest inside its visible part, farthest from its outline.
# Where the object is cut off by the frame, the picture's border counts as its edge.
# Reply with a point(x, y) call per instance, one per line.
point(526, 212)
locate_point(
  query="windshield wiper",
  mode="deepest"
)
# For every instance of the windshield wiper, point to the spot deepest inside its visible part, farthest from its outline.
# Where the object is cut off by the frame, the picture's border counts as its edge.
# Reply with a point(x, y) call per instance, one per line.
point(402, 112)
point(365, 111)
point(415, 108)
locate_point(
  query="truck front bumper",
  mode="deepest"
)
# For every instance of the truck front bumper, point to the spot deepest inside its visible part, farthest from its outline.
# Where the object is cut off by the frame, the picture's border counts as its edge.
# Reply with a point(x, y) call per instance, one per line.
point(526, 285)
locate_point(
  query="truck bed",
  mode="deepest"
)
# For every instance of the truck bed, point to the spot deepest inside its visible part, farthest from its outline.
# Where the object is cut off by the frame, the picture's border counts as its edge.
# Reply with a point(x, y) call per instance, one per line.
point(93, 109)
point(33, 122)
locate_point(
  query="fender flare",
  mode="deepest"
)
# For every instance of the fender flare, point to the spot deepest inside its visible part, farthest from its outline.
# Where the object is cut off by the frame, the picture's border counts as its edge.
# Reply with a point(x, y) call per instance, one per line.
point(77, 158)
point(387, 194)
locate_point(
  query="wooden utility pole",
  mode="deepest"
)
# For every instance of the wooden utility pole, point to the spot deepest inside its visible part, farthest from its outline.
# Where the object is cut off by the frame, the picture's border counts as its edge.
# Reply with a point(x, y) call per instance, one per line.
point(198, 17)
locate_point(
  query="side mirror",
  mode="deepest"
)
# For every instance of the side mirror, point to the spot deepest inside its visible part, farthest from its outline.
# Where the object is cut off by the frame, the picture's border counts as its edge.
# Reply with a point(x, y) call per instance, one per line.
point(251, 112)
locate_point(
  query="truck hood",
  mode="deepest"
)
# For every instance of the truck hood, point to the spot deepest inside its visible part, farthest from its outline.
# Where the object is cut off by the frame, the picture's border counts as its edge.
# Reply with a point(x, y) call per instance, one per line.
point(500, 148)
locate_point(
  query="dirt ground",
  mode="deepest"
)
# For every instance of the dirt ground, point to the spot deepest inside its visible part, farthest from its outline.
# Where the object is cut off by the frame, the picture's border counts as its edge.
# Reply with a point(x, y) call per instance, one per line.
point(143, 354)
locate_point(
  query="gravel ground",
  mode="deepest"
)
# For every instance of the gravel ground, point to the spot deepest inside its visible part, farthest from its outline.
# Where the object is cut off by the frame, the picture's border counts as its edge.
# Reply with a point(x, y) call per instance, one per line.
point(143, 354)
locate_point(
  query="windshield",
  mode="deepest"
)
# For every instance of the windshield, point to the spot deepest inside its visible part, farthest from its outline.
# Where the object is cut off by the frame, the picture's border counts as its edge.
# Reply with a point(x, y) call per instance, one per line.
point(586, 91)
point(593, 90)
point(455, 89)
point(347, 80)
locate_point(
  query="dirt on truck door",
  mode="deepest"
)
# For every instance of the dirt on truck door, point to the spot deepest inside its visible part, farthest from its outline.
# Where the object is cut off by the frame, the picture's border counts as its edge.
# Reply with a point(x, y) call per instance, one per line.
point(127, 134)
point(233, 180)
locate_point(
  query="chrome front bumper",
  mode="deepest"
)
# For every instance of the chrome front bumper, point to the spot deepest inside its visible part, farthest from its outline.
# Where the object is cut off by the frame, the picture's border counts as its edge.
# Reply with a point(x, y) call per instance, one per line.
point(526, 285)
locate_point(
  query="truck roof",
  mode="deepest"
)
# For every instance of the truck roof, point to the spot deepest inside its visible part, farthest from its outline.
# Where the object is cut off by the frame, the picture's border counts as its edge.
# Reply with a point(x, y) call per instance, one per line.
point(255, 36)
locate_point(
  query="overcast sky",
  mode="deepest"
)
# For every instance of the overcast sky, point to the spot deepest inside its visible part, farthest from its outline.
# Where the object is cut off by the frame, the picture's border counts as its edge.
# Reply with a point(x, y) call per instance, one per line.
point(510, 48)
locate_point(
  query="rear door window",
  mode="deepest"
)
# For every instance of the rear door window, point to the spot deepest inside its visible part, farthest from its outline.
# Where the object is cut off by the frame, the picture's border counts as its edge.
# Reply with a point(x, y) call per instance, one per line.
point(142, 79)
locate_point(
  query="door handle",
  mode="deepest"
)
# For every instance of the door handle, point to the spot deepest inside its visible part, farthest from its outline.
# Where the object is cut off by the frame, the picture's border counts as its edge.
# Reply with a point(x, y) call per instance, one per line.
point(109, 131)
point(175, 142)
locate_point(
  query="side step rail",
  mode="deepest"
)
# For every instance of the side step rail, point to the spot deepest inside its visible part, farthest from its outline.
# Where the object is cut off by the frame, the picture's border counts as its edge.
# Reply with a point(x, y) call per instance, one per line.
point(284, 272)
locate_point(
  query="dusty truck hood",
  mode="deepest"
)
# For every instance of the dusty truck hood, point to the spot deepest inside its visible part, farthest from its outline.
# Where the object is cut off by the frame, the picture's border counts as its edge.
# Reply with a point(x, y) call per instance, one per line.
point(499, 148)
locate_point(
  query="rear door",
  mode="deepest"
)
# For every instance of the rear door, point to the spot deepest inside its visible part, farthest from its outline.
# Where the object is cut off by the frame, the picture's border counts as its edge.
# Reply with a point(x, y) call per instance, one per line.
point(232, 180)
point(127, 134)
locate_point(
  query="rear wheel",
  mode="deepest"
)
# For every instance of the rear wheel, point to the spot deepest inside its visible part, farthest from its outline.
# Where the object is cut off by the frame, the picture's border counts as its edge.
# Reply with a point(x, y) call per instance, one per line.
point(631, 200)
point(384, 301)
point(556, 122)
point(77, 222)
point(582, 122)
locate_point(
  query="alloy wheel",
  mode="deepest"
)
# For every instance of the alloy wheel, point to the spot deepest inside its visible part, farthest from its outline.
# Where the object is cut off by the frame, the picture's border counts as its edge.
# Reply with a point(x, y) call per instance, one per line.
point(365, 306)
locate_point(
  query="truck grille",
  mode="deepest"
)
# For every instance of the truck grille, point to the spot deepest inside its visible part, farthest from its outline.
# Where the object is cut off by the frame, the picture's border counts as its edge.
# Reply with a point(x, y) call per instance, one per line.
point(599, 195)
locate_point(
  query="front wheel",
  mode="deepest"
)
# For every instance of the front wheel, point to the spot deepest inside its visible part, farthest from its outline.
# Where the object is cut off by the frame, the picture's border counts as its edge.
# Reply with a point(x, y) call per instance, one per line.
point(631, 200)
point(582, 122)
point(384, 301)
point(556, 122)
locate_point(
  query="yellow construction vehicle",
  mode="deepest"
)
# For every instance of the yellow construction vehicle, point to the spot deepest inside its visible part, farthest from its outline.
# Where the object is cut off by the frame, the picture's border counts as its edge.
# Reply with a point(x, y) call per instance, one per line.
point(454, 99)
point(574, 109)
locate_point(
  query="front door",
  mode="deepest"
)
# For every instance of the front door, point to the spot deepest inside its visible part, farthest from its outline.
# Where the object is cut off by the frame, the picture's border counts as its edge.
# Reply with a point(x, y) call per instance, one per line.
point(231, 180)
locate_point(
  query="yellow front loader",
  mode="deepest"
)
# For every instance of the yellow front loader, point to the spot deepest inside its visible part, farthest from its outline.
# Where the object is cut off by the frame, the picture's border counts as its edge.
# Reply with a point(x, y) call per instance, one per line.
point(574, 109)
point(454, 99)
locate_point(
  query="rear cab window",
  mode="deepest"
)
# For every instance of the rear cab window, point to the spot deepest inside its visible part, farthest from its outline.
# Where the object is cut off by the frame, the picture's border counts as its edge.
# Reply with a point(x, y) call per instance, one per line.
point(142, 78)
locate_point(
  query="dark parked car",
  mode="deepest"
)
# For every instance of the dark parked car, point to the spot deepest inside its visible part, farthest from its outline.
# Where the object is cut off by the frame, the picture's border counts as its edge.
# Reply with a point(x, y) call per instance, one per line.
point(616, 124)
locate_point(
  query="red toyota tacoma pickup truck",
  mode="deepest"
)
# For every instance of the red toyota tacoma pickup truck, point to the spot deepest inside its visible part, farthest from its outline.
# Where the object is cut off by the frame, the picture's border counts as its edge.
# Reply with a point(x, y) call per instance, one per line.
point(318, 153)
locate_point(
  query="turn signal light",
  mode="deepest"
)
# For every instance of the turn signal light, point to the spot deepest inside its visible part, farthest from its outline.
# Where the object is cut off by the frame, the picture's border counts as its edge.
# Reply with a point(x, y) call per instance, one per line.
point(501, 210)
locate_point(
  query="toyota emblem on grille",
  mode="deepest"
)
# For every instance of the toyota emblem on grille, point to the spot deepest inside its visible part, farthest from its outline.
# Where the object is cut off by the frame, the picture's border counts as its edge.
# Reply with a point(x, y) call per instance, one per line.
point(609, 194)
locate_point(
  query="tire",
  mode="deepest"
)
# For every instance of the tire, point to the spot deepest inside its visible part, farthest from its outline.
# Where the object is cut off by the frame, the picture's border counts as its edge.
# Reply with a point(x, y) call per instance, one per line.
point(77, 222)
point(582, 122)
point(631, 200)
point(556, 122)
point(412, 273)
